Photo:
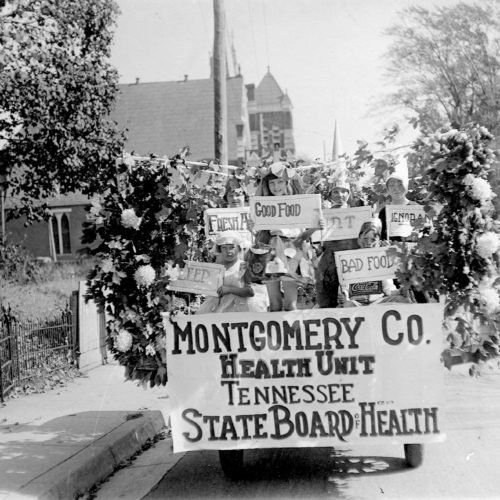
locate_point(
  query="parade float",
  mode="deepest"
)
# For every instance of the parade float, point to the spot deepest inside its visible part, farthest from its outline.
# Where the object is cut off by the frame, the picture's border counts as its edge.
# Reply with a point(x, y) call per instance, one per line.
point(310, 377)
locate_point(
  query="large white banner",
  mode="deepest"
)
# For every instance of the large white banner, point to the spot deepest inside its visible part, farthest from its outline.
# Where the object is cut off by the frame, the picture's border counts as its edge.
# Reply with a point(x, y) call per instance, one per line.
point(342, 223)
point(285, 212)
point(366, 264)
point(316, 377)
point(401, 219)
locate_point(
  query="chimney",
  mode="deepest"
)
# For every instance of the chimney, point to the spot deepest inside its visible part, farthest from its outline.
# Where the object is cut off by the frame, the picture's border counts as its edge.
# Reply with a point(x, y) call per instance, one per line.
point(250, 91)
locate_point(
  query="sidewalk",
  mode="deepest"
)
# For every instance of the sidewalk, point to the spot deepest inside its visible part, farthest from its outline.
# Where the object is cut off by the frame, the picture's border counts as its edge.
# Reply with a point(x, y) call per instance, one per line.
point(58, 444)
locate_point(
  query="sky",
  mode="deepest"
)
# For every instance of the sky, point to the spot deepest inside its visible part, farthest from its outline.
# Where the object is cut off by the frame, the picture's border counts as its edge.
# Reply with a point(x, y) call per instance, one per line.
point(328, 55)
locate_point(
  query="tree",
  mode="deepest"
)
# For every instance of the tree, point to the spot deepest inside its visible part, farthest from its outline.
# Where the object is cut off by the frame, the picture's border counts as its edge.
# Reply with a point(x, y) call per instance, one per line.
point(445, 65)
point(57, 89)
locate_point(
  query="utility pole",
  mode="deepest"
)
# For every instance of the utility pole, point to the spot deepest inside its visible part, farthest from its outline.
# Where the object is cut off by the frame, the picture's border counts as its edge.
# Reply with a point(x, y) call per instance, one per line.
point(3, 192)
point(219, 76)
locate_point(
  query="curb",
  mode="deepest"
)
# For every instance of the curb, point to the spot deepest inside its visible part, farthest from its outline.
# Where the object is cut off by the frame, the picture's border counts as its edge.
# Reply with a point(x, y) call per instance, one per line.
point(79, 473)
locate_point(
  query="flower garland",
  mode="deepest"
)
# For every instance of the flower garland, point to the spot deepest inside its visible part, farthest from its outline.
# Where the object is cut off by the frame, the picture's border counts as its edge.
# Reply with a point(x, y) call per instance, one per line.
point(148, 220)
point(457, 258)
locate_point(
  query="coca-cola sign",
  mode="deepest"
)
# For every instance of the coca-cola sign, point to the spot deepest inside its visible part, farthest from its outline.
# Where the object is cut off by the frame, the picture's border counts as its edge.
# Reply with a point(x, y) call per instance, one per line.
point(365, 288)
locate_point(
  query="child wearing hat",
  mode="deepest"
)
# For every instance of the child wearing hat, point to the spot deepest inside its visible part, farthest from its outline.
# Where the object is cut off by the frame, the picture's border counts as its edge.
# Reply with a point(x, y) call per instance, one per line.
point(327, 280)
point(235, 294)
point(284, 270)
point(397, 187)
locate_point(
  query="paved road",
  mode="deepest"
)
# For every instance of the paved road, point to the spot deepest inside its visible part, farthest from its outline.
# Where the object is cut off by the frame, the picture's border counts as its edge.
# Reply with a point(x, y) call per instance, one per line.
point(463, 467)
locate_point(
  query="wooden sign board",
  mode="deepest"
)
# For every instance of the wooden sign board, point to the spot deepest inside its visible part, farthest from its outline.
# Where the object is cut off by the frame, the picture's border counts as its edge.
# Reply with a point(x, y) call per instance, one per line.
point(218, 220)
point(199, 277)
point(342, 223)
point(401, 219)
point(366, 264)
point(285, 212)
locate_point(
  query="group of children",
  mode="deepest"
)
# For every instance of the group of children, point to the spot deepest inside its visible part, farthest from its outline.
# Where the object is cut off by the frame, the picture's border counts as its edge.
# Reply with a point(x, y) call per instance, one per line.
point(292, 248)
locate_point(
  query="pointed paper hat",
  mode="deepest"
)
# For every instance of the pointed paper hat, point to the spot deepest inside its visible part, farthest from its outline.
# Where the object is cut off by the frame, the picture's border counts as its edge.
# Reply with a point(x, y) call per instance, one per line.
point(400, 172)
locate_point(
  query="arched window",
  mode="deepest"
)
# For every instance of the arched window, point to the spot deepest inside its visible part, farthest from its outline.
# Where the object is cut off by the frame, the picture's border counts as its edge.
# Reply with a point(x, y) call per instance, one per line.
point(66, 242)
point(61, 231)
point(55, 231)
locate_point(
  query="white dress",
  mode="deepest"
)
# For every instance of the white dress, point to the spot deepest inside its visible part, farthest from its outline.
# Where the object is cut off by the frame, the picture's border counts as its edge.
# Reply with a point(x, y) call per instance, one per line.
point(234, 303)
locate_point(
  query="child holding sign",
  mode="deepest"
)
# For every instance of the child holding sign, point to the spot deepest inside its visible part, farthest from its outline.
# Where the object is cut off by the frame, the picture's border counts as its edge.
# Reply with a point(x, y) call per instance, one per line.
point(397, 187)
point(327, 281)
point(235, 294)
point(285, 269)
point(383, 291)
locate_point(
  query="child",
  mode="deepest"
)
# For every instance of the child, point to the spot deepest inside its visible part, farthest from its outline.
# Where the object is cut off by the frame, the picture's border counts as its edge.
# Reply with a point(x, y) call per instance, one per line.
point(327, 281)
point(369, 237)
point(286, 244)
point(235, 194)
point(235, 294)
point(397, 187)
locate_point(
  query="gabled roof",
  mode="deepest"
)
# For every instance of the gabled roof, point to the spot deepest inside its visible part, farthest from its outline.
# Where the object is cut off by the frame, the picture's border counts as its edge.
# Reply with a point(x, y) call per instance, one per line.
point(163, 117)
point(268, 91)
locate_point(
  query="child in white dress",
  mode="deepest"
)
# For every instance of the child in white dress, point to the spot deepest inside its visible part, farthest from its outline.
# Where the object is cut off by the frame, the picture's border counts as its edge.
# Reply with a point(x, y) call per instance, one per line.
point(235, 294)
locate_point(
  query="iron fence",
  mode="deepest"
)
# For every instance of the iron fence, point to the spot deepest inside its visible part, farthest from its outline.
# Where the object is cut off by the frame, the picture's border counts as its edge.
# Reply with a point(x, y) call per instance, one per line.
point(30, 349)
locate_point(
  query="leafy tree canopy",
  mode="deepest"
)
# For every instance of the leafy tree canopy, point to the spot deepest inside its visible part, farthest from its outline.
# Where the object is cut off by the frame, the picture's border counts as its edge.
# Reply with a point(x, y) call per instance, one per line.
point(56, 92)
point(445, 65)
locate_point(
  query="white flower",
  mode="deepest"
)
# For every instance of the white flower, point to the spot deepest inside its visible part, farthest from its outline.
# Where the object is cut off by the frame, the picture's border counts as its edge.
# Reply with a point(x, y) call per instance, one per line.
point(129, 219)
point(123, 341)
point(449, 135)
point(150, 350)
point(145, 275)
point(107, 265)
point(95, 208)
point(487, 244)
point(489, 298)
point(479, 189)
point(172, 272)
point(149, 330)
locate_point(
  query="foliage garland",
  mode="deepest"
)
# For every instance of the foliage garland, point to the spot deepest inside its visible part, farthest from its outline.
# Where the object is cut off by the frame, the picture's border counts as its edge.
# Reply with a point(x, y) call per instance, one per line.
point(149, 218)
point(456, 257)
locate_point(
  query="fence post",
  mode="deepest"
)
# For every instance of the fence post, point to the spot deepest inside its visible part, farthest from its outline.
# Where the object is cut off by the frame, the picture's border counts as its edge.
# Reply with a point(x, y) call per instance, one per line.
point(75, 321)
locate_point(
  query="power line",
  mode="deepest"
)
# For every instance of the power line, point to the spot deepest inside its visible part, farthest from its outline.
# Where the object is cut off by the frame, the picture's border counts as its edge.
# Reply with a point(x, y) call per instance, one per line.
point(253, 38)
point(265, 27)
